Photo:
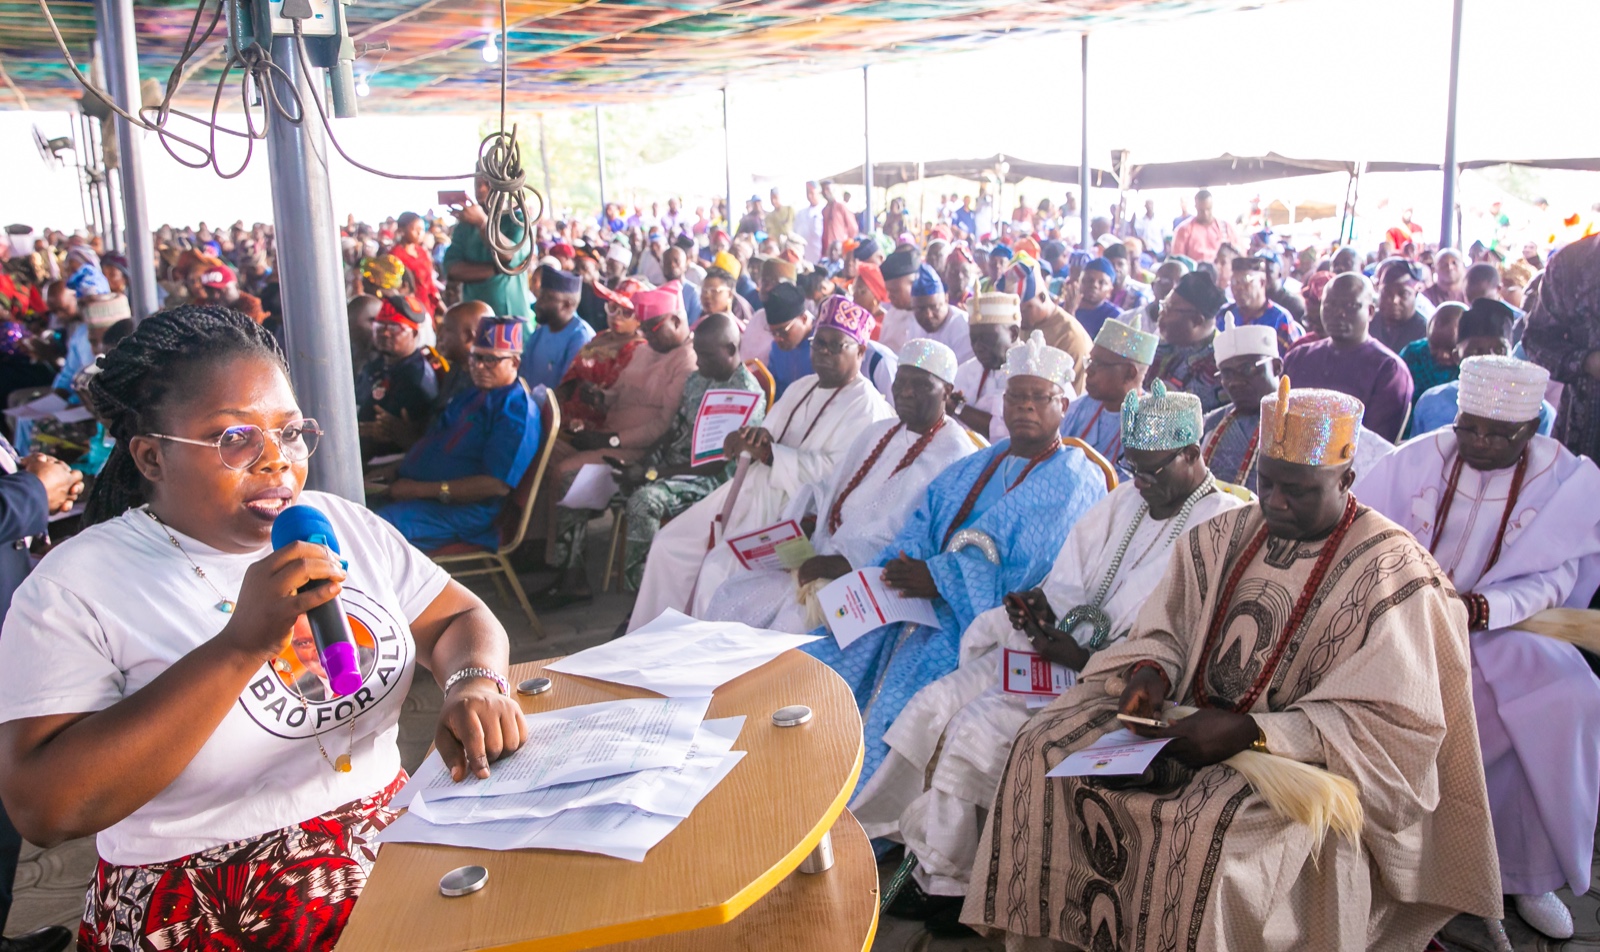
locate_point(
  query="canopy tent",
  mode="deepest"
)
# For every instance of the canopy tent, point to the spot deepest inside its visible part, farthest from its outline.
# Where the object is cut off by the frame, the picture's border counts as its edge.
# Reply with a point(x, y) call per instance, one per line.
point(1228, 169)
point(564, 53)
point(887, 174)
point(1242, 170)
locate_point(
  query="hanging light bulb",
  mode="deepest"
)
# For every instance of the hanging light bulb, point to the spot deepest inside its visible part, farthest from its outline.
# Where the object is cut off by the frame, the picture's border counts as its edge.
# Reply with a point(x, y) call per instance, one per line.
point(491, 49)
point(362, 88)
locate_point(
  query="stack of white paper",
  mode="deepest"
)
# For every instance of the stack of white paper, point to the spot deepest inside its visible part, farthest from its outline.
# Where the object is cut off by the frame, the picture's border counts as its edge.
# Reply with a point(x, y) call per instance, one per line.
point(680, 656)
point(612, 778)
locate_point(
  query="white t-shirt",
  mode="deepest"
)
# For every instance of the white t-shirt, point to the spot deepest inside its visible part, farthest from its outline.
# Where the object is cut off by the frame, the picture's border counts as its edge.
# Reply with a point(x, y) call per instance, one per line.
point(109, 610)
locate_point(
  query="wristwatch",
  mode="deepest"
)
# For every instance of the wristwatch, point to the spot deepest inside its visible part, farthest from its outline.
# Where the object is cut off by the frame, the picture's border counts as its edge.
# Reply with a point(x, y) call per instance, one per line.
point(444, 492)
point(613, 441)
point(651, 475)
point(1259, 745)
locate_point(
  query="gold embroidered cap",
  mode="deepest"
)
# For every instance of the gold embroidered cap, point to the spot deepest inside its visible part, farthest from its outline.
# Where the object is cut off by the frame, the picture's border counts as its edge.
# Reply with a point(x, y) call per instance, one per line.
point(1314, 427)
point(996, 307)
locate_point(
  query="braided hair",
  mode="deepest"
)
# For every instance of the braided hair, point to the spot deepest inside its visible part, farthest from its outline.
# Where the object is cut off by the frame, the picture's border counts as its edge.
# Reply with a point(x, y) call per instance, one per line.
point(147, 369)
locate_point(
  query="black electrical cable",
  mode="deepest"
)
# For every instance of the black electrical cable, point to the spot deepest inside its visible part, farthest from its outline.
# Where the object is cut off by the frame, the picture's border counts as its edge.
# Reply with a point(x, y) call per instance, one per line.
point(499, 164)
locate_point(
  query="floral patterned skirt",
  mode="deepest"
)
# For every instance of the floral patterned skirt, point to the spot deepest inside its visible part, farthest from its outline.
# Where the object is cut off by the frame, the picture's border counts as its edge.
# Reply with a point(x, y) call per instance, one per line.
point(288, 889)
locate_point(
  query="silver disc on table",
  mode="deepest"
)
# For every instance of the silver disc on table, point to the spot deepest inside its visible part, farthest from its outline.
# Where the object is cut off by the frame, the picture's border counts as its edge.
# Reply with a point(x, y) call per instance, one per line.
point(533, 686)
point(463, 880)
point(792, 716)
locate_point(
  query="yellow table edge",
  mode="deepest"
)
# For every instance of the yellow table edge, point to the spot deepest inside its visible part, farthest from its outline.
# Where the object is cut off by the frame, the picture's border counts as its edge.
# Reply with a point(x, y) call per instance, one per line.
point(709, 915)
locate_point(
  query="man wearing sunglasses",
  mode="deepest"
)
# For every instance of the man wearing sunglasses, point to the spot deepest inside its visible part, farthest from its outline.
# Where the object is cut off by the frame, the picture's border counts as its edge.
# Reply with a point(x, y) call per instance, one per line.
point(1114, 559)
point(453, 482)
point(1511, 517)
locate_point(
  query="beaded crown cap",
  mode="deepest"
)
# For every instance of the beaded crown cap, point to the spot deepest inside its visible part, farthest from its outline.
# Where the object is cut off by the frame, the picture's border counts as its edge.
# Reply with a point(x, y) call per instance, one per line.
point(1314, 427)
point(1502, 388)
point(1127, 341)
point(1034, 358)
point(1164, 420)
point(932, 356)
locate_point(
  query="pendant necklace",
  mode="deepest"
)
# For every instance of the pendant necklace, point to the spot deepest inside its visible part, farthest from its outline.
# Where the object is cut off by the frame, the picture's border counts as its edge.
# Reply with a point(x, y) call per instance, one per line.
point(226, 605)
point(1093, 612)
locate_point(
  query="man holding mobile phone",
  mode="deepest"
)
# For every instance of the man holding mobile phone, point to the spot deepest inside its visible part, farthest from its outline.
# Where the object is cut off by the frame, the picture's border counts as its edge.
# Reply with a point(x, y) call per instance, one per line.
point(1307, 627)
point(1114, 558)
point(471, 261)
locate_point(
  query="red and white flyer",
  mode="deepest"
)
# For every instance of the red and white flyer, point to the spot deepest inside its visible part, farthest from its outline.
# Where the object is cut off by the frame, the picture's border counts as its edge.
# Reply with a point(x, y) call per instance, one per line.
point(758, 550)
point(856, 604)
point(1030, 675)
point(721, 412)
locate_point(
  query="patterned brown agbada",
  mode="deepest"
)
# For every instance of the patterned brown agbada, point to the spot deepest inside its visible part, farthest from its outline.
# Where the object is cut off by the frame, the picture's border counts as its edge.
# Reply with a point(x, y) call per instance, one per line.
point(1374, 686)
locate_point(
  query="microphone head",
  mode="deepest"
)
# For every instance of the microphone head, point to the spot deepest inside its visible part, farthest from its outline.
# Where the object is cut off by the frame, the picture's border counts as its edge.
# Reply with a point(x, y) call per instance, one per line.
point(303, 524)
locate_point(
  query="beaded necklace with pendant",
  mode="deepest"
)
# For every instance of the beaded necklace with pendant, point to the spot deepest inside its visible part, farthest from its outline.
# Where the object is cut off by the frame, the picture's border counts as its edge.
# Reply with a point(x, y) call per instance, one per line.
point(1093, 612)
point(226, 606)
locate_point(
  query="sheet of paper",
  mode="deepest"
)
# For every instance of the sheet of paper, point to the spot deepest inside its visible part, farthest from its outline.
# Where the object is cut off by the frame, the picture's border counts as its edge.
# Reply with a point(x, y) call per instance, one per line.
point(592, 488)
point(47, 405)
point(580, 743)
point(679, 656)
point(664, 790)
point(386, 460)
point(1030, 675)
point(758, 550)
point(858, 603)
point(1119, 753)
point(76, 414)
point(721, 412)
point(612, 830)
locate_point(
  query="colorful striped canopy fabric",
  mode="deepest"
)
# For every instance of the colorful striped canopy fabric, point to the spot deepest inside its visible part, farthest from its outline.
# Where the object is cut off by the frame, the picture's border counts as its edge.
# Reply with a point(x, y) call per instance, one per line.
point(581, 52)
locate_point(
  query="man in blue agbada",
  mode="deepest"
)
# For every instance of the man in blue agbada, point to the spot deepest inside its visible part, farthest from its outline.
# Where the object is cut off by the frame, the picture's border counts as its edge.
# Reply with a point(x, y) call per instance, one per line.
point(453, 482)
point(990, 524)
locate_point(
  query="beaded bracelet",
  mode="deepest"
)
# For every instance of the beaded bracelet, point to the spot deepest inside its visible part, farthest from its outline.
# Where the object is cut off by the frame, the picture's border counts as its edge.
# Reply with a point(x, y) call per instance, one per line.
point(1147, 663)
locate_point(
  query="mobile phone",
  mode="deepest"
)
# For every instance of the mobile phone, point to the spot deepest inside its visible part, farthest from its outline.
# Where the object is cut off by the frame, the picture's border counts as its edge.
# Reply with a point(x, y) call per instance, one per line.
point(1146, 721)
point(457, 197)
point(1022, 606)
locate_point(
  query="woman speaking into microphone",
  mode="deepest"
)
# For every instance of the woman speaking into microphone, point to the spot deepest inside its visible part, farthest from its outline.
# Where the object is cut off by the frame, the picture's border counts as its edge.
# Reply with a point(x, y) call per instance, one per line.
point(150, 692)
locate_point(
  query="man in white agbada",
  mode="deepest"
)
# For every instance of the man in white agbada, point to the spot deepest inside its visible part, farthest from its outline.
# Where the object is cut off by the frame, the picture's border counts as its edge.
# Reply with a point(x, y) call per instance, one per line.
point(802, 440)
point(963, 724)
point(1249, 367)
point(861, 508)
point(1512, 517)
point(979, 396)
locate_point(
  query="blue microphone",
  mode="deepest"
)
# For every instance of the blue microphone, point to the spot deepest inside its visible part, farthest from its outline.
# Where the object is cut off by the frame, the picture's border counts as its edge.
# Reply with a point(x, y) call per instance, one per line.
point(336, 646)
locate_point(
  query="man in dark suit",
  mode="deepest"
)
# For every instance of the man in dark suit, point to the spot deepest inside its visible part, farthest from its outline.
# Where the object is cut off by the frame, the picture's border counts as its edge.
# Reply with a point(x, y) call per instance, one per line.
point(30, 490)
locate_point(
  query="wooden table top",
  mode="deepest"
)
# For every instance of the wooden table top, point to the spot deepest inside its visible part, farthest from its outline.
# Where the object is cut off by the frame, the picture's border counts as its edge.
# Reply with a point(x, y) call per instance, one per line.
point(835, 911)
point(748, 834)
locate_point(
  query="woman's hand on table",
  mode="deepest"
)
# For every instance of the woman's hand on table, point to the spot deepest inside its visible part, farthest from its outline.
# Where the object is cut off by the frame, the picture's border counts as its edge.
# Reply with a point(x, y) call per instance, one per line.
point(477, 725)
point(270, 598)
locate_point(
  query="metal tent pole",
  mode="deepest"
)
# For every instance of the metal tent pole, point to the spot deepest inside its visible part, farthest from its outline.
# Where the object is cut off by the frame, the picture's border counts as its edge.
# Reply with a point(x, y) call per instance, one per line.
point(866, 142)
point(122, 81)
point(1083, 162)
point(600, 154)
point(727, 162)
point(311, 280)
point(1447, 215)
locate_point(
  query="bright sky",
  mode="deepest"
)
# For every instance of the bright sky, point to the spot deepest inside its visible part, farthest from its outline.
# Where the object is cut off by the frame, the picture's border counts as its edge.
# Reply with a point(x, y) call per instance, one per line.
point(1309, 78)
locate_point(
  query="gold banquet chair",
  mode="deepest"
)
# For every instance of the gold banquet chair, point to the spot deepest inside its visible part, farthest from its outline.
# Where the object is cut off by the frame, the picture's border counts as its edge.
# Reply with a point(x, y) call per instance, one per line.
point(464, 560)
point(1106, 468)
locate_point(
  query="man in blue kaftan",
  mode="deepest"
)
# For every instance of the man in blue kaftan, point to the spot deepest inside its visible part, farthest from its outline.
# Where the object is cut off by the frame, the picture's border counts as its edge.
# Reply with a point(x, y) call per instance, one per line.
point(453, 482)
point(992, 523)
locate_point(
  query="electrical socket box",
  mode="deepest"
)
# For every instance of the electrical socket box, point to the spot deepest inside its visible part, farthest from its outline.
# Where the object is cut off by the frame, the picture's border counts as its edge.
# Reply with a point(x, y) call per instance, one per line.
point(322, 21)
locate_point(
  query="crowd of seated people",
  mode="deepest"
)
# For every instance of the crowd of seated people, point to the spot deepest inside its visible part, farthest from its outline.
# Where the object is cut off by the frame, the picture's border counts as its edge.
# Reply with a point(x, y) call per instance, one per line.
point(1307, 494)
